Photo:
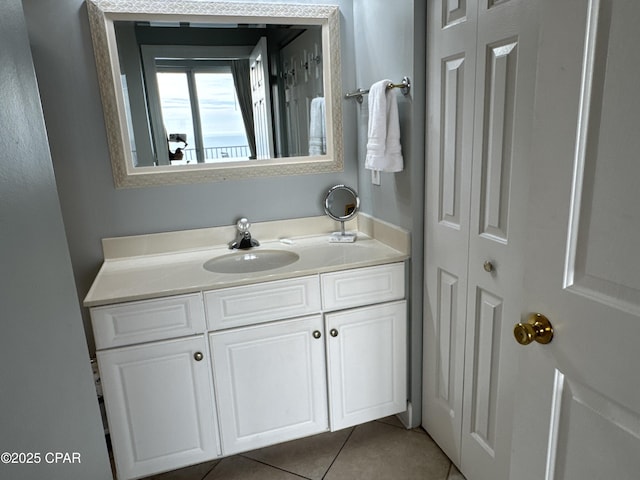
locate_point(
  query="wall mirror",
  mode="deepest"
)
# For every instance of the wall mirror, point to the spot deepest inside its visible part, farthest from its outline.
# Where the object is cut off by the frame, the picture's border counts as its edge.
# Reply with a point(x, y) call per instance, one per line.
point(342, 204)
point(198, 91)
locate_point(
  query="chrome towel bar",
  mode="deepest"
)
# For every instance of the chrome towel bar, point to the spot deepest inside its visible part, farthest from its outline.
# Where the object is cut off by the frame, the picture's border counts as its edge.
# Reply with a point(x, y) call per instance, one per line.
point(404, 86)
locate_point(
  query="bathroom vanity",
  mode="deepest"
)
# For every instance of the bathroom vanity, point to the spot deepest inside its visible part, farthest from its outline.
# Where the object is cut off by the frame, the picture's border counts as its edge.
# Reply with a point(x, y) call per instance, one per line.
point(196, 364)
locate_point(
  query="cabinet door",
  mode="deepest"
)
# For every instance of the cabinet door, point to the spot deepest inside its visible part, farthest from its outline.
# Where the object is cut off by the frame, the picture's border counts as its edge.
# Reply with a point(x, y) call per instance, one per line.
point(367, 363)
point(271, 383)
point(160, 407)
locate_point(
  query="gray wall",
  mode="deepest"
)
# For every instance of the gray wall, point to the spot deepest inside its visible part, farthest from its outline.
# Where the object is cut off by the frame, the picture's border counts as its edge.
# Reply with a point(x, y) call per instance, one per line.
point(48, 401)
point(92, 208)
point(391, 44)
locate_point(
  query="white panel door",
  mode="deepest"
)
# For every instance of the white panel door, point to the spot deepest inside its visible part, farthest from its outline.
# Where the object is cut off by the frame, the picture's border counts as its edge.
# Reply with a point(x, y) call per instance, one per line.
point(578, 399)
point(261, 98)
point(271, 383)
point(505, 85)
point(367, 363)
point(481, 68)
point(160, 406)
point(451, 69)
point(302, 62)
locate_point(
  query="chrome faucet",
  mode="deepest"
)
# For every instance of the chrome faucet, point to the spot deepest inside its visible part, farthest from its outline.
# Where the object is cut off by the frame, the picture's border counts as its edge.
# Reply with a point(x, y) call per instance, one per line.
point(243, 239)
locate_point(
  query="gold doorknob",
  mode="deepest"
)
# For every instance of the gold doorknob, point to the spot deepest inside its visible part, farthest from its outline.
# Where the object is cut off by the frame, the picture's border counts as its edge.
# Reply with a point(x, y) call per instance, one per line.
point(538, 328)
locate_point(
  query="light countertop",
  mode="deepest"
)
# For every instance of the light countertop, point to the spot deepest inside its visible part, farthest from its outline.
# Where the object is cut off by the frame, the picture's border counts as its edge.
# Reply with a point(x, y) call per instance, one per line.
point(142, 277)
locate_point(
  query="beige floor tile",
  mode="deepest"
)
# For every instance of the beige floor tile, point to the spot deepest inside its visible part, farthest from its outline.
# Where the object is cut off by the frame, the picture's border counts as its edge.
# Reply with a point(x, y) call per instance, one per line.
point(194, 472)
point(241, 468)
point(309, 457)
point(377, 451)
point(455, 474)
point(392, 420)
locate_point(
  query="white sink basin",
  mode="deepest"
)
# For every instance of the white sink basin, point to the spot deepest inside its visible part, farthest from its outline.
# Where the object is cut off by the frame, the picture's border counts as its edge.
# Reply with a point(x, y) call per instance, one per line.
point(251, 261)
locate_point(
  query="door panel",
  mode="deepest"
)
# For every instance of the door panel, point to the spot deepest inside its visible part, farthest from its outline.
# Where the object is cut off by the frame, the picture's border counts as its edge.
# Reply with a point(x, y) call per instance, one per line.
point(451, 60)
point(582, 261)
point(450, 194)
point(497, 152)
point(445, 323)
point(599, 264)
point(453, 11)
point(505, 81)
point(585, 421)
point(486, 362)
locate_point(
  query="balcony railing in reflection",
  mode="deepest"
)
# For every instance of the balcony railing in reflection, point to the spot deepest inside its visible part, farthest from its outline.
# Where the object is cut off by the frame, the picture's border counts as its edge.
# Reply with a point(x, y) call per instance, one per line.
point(212, 154)
point(218, 153)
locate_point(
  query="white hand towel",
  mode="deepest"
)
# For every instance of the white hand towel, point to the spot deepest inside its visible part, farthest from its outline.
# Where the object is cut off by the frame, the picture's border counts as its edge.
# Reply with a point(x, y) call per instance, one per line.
point(383, 147)
point(317, 127)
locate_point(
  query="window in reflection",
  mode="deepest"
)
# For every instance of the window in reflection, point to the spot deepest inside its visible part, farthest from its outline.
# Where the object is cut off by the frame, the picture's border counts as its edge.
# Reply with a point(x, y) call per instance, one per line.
point(223, 132)
point(177, 116)
point(201, 117)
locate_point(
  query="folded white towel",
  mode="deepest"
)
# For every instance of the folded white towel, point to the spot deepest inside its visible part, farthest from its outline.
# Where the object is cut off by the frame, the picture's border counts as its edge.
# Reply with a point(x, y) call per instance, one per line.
point(317, 127)
point(383, 147)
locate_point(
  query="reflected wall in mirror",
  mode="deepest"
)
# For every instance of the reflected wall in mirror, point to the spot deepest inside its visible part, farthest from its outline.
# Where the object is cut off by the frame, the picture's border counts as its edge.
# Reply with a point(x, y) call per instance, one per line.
point(202, 91)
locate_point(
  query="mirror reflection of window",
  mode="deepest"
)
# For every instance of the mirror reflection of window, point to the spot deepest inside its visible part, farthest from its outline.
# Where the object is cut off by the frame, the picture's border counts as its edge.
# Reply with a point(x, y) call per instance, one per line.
point(175, 103)
point(202, 103)
point(223, 132)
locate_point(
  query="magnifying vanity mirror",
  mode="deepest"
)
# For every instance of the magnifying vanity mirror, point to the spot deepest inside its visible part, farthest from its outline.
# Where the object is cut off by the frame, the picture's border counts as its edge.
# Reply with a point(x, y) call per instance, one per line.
point(197, 91)
point(342, 203)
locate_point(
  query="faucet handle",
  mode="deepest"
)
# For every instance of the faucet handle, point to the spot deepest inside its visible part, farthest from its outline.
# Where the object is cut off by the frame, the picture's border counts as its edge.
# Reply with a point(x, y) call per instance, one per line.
point(243, 225)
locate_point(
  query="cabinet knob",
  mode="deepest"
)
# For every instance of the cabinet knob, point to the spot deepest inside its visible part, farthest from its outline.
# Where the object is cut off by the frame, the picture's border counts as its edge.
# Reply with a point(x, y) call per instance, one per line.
point(198, 356)
point(317, 334)
point(488, 266)
point(333, 332)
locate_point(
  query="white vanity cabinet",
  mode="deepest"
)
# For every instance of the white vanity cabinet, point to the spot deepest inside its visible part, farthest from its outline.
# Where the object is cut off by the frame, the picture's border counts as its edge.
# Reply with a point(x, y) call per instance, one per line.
point(366, 356)
point(271, 382)
point(366, 346)
point(271, 377)
point(268, 361)
point(286, 359)
point(158, 392)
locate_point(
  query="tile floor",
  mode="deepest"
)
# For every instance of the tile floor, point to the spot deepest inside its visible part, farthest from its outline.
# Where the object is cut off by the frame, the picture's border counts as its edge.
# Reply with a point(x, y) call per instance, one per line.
point(380, 450)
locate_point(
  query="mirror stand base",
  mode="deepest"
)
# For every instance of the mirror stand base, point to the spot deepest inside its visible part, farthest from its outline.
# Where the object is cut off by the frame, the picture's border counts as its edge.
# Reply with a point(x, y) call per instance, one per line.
point(342, 237)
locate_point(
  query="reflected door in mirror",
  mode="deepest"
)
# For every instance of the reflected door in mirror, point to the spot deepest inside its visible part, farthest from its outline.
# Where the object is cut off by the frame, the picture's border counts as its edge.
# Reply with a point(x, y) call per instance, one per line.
point(261, 98)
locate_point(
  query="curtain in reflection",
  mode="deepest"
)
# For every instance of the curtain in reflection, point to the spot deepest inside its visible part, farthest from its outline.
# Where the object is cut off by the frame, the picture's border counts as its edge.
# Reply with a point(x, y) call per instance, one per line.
point(241, 80)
